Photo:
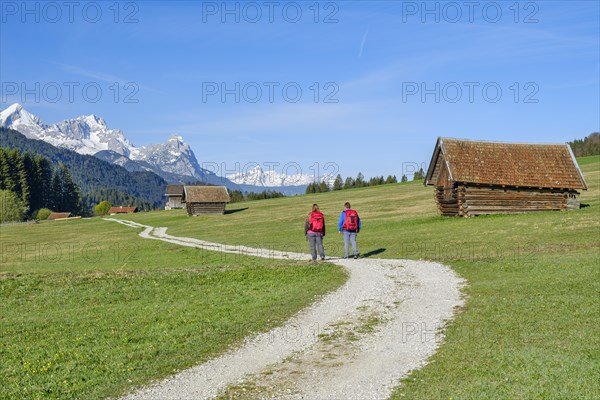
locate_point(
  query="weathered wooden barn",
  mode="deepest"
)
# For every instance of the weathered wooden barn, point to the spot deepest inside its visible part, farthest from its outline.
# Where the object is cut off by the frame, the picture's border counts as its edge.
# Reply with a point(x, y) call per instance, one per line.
point(482, 177)
point(175, 198)
point(122, 210)
point(205, 199)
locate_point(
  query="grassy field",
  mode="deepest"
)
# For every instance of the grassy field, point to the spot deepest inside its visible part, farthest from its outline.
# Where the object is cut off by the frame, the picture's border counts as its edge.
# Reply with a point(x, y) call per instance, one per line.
point(88, 309)
point(530, 328)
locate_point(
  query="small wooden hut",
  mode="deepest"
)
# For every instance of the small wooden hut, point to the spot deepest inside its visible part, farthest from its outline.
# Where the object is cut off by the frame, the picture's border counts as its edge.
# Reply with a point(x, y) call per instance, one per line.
point(175, 198)
point(122, 210)
point(205, 199)
point(481, 177)
point(53, 216)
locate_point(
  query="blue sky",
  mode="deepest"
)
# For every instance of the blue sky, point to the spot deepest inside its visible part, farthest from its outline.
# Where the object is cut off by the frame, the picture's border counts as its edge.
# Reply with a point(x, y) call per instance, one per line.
point(391, 76)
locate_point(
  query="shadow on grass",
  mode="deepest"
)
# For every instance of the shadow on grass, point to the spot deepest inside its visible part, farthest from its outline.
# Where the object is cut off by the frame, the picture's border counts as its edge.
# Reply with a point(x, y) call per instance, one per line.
point(235, 210)
point(372, 253)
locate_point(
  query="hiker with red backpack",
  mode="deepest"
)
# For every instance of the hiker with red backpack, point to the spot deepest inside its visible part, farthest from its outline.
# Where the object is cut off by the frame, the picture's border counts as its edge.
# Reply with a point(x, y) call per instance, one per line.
point(314, 230)
point(349, 226)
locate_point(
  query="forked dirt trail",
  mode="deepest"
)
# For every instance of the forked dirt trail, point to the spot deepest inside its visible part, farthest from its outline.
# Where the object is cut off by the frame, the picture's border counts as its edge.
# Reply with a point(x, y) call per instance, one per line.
point(354, 343)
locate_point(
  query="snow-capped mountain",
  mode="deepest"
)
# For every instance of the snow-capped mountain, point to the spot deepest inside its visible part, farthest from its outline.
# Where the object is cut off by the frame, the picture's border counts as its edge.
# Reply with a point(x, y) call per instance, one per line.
point(174, 156)
point(17, 118)
point(91, 135)
point(258, 177)
point(85, 135)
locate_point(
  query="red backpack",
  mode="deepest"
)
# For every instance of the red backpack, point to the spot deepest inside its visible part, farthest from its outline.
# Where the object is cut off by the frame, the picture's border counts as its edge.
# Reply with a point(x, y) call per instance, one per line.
point(317, 222)
point(351, 222)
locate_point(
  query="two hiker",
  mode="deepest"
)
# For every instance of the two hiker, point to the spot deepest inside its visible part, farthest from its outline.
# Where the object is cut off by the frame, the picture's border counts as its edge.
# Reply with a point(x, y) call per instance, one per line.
point(348, 225)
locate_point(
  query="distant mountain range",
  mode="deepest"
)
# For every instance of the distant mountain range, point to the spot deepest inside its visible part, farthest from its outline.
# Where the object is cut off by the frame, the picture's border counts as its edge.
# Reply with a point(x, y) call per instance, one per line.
point(257, 176)
point(173, 160)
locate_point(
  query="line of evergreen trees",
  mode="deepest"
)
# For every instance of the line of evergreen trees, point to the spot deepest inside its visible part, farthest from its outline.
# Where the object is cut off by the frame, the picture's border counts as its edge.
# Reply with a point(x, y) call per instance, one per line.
point(589, 146)
point(37, 184)
point(238, 196)
point(349, 183)
point(93, 197)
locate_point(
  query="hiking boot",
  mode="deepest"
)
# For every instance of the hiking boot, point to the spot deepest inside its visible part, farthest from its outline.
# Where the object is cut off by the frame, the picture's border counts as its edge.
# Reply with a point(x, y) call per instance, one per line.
point(356, 257)
point(322, 258)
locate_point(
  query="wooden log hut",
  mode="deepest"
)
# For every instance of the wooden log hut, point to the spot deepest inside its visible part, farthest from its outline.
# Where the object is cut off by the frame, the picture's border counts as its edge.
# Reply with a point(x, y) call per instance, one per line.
point(205, 199)
point(174, 196)
point(481, 177)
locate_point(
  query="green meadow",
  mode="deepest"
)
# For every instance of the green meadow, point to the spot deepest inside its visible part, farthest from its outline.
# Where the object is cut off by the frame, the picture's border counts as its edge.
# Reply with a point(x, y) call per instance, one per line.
point(89, 309)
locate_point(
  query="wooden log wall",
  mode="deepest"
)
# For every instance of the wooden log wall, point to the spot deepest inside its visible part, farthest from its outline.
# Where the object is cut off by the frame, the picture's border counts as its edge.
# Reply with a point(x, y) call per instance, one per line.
point(447, 206)
point(469, 200)
point(205, 208)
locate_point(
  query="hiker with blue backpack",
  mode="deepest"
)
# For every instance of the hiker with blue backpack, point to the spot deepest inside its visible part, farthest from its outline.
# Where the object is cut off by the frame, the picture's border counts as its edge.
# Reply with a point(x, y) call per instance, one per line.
point(349, 226)
point(314, 230)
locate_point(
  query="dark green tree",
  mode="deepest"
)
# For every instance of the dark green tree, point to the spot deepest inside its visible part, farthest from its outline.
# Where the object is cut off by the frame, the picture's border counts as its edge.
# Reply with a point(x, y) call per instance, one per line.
point(10, 172)
point(348, 183)
point(44, 173)
point(323, 187)
point(11, 208)
point(338, 184)
point(360, 180)
point(56, 195)
point(30, 194)
point(71, 199)
point(419, 175)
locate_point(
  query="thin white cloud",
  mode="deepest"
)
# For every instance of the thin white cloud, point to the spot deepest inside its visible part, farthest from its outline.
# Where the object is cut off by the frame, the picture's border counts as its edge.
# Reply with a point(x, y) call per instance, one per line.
point(362, 43)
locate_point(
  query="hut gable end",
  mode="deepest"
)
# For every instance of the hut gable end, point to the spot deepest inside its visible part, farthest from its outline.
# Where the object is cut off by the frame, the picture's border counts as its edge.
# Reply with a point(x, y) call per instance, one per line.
point(175, 199)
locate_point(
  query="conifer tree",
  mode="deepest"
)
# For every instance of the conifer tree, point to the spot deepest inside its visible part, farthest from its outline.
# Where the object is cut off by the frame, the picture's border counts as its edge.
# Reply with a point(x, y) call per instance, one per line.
point(420, 174)
point(338, 184)
point(56, 192)
point(323, 187)
point(3, 168)
point(360, 180)
point(29, 183)
point(348, 183)
point(11, 208)
point(44, 173)
point(71, 199)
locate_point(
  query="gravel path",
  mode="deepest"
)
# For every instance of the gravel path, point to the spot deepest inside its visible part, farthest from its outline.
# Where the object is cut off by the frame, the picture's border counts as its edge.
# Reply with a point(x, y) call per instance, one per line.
point(355, 343)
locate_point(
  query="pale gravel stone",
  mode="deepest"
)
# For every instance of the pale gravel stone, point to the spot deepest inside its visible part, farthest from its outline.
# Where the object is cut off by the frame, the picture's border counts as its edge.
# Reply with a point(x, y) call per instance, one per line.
point(413, 299)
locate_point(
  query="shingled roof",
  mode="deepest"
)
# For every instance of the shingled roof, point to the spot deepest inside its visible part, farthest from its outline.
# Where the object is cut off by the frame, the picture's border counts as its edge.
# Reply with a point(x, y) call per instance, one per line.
point(174, 190)
point(206, 194)
point(58, 215)
point(506, 164)
point(122, 210)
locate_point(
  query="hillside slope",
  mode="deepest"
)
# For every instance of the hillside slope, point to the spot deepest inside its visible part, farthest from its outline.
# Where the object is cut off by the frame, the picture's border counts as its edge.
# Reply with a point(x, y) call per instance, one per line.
point(92, 174)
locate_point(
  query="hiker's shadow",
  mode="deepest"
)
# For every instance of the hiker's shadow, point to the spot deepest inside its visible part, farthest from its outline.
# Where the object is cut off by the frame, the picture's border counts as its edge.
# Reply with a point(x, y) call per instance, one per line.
point(235, 210)
point(373, 253)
